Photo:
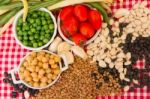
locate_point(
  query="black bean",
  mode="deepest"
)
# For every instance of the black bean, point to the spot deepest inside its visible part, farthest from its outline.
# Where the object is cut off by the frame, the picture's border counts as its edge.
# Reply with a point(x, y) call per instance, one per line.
point(106, 79)
point(14, 94)
point(6, 74)
point(131, 89)
point(5, 80)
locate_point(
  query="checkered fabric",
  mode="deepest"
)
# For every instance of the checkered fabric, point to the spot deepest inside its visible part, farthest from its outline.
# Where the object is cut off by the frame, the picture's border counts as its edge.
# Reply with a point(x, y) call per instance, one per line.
point(11, 53)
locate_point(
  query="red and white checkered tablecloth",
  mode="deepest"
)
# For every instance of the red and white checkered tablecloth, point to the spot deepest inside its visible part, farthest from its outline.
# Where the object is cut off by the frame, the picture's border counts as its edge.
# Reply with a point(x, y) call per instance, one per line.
point(11, 53)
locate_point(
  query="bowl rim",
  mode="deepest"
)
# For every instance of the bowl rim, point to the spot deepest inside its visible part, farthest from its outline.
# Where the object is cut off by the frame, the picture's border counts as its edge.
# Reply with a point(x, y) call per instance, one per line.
point(50, 84)
point(19, 14)
point(71, 42)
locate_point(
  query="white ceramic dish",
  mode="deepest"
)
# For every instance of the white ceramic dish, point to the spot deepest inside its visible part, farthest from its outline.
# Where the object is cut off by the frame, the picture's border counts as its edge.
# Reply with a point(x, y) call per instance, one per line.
point(16, 70)
point(31, 48)
point(71, 42)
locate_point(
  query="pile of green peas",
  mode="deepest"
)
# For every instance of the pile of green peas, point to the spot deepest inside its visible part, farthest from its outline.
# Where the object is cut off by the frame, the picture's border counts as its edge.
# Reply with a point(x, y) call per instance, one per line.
point(37, 30)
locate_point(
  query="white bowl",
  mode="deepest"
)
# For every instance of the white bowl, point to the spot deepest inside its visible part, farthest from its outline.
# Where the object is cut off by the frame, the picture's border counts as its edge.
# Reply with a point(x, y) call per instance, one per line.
point(16, 70)
point(71, 42)
point(19, 14)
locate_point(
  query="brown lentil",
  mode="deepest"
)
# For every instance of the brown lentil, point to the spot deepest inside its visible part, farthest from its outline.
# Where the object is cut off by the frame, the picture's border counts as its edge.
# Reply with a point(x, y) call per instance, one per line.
point(81, 81)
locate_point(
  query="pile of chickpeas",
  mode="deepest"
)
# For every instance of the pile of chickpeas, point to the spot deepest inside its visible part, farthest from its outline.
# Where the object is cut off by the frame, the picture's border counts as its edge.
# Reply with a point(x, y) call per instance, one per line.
point(39, 69)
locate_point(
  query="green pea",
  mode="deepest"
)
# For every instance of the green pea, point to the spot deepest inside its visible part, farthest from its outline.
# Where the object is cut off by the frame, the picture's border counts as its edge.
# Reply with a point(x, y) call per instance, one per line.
point(33, 41)
point(30, 33)
point(47, 35)
point(25, 42)
point(35, 45)
point(25, 37)
point(44, 22)
point(51, 26)
point(36, 36)
point(33, 30)
point(48, 31)
point(40, 44)
point(31, 38)
point(30, 44)
point(31, 26)
point(38, 21)
point(45, 40)
point(31, 21)
point(45, 27)
point(18, 28)
point(38, 28)
point(25, 33)
point(35, 15)
point(20, 33)
point(20, 38)
point(20, 21)
point(34, 25)
point(47, 15)
point(42, 37)
point(27, 27)
point(49, 21)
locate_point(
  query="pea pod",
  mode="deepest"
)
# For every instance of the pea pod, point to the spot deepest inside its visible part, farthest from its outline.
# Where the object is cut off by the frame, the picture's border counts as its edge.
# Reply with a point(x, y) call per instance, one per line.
point(11, 6)
point(7, 16)
point(43, 4)
point(3, 2)
point(101, 9)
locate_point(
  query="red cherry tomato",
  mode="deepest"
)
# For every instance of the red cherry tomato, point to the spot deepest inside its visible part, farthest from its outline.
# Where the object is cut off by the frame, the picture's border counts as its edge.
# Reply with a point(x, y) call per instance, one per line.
point(79, 39)
point(95, 19)
point(70, 26)
point(66, 12)
point(81, 12)
point(87, 30)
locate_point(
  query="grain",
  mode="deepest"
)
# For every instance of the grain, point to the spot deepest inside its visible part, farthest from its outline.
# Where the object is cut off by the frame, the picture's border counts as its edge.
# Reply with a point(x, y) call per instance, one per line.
point(81, 81)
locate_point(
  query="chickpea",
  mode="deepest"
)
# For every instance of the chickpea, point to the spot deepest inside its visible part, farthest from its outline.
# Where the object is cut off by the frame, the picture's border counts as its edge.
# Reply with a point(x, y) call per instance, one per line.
point(47, 56)
point(44, 60)
point(40, 76)
point(54, 77)
point(42, 53)
point(34, 74)
point(56, 71)
point(26, 64)
point(54, 66)
point(49, 76)
point(30, 83)
point(31, 68)
point(33, 54)
point(51, 61)
point(37, 69)
point(22, 69)
point(52, 56)
point(44, 79)
point(48, 70)
point(36, 79)
point(29, 78)
point(45, 66)
point(49, 81)
point(22, 76)
point(26, 73)
point(40, 64)
point(34, 62)
point(36, 84)
point(57, 59)
point(41, 72)
point(29, 58)
point(39, 58)
point(43, 84)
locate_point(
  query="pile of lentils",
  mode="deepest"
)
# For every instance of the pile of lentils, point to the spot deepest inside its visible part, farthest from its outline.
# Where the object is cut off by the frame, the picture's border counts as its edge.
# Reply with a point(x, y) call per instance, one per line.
point(120, 44)
point(19, 88)
point(82, 80)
